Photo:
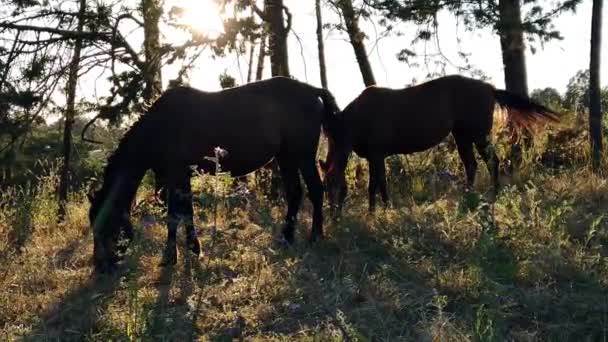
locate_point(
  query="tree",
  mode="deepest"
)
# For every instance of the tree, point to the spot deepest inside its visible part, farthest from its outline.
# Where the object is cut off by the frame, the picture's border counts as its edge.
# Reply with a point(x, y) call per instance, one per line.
point(548, 97)
point(70, 112)
point(31, 70)
point(261, 58)
point(595, 105)
point(278, 20)
point(510, 30)
point(504, 17)
point(576, 98)
point(321, 44)
point(151, 12)
point(356, 37)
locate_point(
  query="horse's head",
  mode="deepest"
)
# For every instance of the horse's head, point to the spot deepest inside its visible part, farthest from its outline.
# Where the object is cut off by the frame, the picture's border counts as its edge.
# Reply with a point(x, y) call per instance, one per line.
point(108, 222)
point(333, 174)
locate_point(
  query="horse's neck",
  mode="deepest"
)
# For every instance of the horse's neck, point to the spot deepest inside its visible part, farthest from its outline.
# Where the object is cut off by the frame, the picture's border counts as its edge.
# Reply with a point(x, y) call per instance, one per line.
point(122, 187)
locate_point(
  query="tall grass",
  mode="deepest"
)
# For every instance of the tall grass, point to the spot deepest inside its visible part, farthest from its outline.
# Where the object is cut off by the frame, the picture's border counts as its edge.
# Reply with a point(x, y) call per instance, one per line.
point(439, 265)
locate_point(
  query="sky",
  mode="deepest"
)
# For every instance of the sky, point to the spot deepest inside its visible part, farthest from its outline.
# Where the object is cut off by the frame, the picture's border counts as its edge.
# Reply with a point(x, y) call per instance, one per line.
point(551, 66)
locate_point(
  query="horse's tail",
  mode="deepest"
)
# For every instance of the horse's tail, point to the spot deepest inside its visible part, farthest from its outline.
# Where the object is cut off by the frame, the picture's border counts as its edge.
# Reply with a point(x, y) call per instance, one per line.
point(524, 113)
point(330, 111)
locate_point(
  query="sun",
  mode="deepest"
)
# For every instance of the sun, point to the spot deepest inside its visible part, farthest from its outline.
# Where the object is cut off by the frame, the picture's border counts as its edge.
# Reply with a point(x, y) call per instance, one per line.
point(203, 16)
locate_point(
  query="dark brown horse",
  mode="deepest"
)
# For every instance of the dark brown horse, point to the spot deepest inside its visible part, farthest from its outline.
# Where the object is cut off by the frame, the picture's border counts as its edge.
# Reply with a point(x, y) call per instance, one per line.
point(382, 122)
point(277, 118)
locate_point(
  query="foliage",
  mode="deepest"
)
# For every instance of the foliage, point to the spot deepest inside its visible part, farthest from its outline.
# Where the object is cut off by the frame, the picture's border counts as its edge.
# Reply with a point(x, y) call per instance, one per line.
point(226, 80)
point(476, 14)
point(23, 165)
point(548, 97)
point(576, 97)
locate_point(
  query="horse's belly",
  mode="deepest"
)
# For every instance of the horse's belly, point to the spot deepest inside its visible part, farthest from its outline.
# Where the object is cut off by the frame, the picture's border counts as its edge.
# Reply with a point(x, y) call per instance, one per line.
point(239, 160)
point(399, 142)
point(418, 145)
point(241, 167)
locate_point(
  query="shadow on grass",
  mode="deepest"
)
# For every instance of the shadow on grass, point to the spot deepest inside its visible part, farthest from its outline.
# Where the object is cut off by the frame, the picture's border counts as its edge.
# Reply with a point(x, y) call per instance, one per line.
point(389, 283)
point(78, 314)
point(565, 303)
point(173, 318)
point(354, 285)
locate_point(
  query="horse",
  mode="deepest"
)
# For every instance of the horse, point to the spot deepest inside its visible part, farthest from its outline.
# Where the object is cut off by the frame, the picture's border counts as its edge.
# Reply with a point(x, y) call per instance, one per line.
point(381, 122)
point(278, 118)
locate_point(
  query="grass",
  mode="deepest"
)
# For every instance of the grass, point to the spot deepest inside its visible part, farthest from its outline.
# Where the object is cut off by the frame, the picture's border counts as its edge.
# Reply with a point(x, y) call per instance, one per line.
point(439, 265)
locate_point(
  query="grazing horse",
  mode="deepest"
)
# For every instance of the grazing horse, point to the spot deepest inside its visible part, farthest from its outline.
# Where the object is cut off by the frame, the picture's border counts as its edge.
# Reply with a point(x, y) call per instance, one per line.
point(382, 122)
point(276, 118)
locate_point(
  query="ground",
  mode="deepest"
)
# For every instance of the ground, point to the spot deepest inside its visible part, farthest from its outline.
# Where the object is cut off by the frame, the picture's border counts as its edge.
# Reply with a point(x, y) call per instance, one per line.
point(439, 265)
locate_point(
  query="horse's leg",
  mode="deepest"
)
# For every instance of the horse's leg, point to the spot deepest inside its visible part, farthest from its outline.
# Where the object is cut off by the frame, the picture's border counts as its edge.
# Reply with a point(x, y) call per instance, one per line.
point(486, 150)
point(377, 181)
point(187, 212)
point(127, 234)
point(170, 253)
point(293, 194)
point(315, 194)
point(373, 184)
point(382, 181)
point(160, 186)
point(467, 155)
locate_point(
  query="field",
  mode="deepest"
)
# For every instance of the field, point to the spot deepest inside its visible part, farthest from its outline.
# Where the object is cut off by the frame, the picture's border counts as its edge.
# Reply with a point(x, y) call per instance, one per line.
point(438, 265)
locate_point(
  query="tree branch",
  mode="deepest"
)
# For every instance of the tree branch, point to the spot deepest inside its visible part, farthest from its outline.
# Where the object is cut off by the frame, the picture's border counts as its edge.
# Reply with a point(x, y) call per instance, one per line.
point(115, 38)
point(258, 11)
point(288, 14)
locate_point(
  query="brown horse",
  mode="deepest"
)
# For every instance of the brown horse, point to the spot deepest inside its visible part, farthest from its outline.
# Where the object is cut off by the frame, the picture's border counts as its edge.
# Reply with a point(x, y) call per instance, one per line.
point(276, 118)
point(382, 122)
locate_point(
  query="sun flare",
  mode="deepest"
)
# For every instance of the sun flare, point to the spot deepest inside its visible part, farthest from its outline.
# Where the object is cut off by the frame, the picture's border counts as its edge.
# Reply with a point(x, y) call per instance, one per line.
point(203, 16)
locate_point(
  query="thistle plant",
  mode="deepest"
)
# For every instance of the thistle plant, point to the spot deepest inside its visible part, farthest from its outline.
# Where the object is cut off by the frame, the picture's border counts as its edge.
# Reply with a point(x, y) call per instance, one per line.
point(219, 153)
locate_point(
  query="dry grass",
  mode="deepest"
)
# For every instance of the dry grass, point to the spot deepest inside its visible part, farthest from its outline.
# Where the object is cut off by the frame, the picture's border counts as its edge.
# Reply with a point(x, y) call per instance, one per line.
point(438, 266)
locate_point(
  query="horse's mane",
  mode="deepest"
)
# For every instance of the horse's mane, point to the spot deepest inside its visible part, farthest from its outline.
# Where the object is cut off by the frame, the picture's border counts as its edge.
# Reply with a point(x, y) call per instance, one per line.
point(117, 159)
point(119, 154)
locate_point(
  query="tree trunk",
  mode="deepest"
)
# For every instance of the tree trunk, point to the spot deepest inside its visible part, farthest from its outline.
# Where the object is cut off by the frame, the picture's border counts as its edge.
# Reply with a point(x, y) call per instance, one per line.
point(279, 58)
point(321, 45)
point(595, 103)
point(250, 61)
point(261, 57)
point(70, 114)
point(513, 48)
point(153, 82)
point(356, 39)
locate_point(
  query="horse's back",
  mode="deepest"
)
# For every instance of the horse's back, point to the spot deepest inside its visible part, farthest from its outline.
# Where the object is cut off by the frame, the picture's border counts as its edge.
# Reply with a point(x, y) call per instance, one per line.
point(416, 118)
point(252, 122)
